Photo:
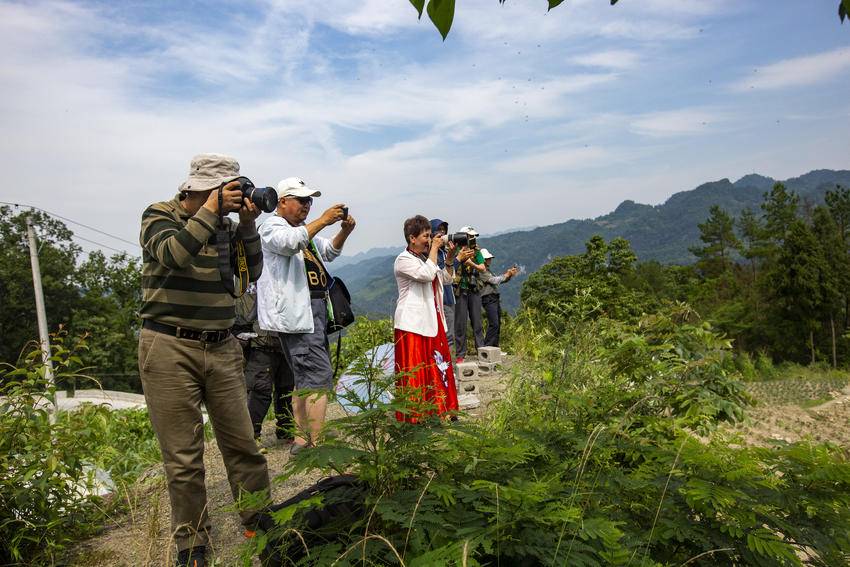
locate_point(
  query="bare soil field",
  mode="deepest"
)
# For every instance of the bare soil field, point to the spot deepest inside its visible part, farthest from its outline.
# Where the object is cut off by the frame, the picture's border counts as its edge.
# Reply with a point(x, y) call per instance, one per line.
point(794, 409)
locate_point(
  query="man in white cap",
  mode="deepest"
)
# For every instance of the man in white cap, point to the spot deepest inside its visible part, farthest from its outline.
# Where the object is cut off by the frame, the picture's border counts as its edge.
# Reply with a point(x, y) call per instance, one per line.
point(292, 297)
point(187, 355)
point(468, 302)
point(490, 300)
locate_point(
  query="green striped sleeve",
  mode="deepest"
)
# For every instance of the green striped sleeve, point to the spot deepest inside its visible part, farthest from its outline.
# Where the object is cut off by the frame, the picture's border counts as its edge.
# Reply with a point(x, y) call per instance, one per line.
point(168, 241)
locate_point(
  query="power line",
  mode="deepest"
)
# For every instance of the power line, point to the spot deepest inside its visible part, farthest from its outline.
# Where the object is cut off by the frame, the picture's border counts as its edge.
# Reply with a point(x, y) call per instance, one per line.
point(136, 244)
point(99, 244)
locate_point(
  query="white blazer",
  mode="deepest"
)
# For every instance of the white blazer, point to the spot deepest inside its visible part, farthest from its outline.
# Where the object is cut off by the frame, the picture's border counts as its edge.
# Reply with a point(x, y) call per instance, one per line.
point(415, 310)
point(283, 296)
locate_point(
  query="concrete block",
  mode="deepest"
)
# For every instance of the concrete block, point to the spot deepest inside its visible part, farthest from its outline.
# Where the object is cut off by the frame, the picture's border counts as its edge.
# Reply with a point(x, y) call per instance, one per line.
point(490, 355)
point(466, 371)
point(485, 369)
point(468, 401)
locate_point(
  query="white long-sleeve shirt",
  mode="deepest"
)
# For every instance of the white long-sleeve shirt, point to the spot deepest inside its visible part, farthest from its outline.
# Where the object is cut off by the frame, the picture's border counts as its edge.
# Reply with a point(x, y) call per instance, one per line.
point(415, 310)
point(283, 295)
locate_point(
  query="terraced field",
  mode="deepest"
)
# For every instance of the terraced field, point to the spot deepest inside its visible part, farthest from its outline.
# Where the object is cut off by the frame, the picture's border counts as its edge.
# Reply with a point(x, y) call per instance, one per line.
point(799, 407)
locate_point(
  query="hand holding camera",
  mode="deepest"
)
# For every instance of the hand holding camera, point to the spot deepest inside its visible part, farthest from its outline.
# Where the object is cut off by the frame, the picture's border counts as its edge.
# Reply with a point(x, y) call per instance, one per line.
point(437, 241)
point(334, 214)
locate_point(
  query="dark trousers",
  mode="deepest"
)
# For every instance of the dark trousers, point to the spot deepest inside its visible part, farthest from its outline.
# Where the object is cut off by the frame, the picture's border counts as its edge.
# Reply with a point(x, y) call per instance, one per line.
point(493, 310)
point(468, 306)
point(266, 374)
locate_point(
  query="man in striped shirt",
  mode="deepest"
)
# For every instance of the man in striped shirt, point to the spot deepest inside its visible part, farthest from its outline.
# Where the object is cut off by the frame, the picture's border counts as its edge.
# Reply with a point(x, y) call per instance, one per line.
point(187, 356)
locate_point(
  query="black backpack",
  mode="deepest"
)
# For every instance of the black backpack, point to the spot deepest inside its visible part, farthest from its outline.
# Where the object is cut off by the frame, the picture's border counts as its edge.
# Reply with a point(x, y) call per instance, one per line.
point(343, 499)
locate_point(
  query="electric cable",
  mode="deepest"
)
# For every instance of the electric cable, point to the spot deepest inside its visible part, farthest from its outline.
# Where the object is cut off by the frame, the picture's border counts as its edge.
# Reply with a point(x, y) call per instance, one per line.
point(101, 245)
point(136, 244)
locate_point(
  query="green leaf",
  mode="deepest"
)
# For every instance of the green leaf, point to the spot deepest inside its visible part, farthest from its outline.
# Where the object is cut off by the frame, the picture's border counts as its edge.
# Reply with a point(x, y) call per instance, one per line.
point(554, 3)
point(419, 5)
point(442, 12)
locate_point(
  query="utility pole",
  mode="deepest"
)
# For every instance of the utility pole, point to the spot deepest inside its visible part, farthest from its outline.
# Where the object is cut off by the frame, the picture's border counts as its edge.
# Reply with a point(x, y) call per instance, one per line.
point(39, 305)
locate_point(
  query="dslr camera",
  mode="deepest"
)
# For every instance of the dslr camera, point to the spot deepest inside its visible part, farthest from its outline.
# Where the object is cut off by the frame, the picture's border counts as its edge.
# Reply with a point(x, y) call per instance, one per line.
point(264, 197)
point(461, 239)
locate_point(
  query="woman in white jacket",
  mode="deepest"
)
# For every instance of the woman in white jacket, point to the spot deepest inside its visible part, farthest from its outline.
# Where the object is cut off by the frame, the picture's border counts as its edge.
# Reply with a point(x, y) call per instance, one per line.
point(422, 354)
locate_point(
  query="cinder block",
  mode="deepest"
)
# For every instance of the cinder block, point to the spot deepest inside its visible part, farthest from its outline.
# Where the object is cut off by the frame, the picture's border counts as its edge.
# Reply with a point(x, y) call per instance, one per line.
point(466, 371)
point(485, 369)
point(490, 355)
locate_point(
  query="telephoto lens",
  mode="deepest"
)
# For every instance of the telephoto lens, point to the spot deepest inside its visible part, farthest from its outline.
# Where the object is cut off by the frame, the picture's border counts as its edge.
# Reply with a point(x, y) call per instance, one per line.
point(264, 197)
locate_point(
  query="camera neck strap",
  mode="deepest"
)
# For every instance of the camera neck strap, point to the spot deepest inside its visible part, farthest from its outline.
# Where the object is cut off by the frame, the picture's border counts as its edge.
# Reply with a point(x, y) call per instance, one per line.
point(225, 267)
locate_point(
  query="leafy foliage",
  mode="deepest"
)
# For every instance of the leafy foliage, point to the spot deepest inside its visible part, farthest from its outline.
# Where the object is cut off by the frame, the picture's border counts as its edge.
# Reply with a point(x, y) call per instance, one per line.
point(49, 462)
point(591, 459)
point(98, 296)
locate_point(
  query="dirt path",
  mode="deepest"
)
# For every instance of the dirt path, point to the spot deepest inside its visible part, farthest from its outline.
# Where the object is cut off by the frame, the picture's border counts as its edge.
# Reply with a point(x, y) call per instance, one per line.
point(142, 536)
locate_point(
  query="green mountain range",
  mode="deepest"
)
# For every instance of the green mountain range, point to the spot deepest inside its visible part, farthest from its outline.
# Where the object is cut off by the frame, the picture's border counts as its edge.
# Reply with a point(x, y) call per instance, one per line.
point(662, 232)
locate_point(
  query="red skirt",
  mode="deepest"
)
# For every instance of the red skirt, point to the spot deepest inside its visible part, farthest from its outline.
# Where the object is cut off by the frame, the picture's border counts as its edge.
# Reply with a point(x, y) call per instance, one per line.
point(428, 373)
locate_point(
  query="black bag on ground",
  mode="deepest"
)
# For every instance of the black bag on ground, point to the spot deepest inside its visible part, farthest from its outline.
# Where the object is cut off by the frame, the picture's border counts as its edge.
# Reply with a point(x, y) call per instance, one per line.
point(342, 505)
point(340, 301)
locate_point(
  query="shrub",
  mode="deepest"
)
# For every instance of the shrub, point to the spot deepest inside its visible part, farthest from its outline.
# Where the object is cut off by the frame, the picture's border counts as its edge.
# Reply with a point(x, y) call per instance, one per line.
point(591, 459)
point(48, 461)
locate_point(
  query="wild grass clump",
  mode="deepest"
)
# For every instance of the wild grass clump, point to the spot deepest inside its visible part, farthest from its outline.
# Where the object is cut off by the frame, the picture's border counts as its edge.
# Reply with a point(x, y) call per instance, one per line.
point(604, 452)
point(49, 486)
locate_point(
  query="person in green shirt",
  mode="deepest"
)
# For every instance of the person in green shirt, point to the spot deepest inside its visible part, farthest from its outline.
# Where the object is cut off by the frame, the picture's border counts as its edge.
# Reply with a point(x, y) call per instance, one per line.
point(468, 305)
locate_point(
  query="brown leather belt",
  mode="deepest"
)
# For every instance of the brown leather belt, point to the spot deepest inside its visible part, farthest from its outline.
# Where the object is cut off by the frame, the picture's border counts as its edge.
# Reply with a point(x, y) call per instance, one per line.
point(184, 333)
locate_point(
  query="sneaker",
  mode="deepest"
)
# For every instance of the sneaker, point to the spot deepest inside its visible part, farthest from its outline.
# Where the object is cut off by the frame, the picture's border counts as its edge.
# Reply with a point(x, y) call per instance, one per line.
point(192, 557)
point(260, 447)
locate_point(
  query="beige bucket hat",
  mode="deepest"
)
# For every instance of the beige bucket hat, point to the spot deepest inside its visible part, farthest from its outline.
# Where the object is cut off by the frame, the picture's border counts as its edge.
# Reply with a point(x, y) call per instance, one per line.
point(210, 171)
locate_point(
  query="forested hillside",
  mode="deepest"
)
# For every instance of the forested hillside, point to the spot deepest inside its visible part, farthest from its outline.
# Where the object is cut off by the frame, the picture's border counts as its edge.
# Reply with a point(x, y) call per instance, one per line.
point(664, 233)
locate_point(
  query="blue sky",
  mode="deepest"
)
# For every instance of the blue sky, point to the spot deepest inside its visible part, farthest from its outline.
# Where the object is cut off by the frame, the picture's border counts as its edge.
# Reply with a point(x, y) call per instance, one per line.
point(521, 117)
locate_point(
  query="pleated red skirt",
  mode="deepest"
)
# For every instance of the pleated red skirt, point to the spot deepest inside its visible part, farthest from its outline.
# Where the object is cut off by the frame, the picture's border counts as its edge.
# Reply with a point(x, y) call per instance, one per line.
point(428, 372)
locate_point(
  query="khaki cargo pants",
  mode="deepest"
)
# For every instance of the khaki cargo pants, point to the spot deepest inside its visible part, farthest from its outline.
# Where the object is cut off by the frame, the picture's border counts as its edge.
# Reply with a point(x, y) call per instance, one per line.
point(177, 376)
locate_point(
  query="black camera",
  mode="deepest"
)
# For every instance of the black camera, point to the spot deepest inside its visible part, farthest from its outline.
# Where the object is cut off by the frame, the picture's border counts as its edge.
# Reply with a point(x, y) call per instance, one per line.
point(264, 197)
point(345, 213)
point(461, 239)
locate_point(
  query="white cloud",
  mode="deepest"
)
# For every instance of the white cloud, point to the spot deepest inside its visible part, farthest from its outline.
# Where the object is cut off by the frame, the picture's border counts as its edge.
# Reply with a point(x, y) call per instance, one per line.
point(558, 160)
point(682, 122)
point(612, 59)
point(797, 72)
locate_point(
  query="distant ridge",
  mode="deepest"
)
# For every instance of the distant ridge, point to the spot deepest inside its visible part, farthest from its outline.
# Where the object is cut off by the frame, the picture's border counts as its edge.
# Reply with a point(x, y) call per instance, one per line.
point(661, 232)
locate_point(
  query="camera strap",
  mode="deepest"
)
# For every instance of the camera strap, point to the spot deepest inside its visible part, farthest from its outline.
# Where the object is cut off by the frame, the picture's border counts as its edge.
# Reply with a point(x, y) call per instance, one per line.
point(225, 267)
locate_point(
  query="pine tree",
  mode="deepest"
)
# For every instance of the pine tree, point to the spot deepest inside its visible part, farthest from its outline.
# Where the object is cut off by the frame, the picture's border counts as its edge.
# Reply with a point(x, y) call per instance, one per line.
point(796, 282)
point(835, 270)
point(754, 245)
point(718, 234)
point(780, 211)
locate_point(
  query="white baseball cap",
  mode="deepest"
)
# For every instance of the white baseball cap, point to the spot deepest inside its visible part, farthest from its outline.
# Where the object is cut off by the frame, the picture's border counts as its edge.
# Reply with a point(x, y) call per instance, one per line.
point(486, 254)
point(295, 187)
point(468, 230)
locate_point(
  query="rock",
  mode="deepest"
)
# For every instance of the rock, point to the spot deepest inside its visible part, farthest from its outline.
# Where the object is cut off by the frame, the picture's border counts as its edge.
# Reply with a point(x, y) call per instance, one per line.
point(468, 401)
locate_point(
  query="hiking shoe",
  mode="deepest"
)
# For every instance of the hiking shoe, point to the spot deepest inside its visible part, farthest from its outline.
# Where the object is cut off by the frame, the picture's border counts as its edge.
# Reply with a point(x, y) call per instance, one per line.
point(192, 557)
point(297, 448)
point(260, 448)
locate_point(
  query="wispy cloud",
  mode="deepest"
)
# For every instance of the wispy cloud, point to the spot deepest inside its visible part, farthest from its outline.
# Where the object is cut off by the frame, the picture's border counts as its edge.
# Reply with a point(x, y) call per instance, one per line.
point(680, 122)
point(611, 59)
point(797, 72)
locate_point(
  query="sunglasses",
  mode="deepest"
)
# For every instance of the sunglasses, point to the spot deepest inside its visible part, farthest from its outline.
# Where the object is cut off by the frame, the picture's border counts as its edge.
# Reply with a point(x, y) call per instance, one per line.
point(304, 201)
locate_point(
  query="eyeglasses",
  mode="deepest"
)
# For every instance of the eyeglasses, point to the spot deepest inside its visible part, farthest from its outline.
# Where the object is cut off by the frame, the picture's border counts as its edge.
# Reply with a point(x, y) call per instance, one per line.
point(304, 201)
